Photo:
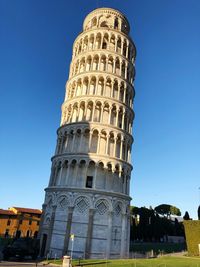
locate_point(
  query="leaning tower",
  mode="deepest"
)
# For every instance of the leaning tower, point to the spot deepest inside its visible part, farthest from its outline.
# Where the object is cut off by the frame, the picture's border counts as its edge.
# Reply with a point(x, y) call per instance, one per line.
point(88, 191)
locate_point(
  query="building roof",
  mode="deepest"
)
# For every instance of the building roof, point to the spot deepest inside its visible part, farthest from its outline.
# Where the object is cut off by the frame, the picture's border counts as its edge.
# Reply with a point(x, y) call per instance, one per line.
point(25, 210)
point(6, 212)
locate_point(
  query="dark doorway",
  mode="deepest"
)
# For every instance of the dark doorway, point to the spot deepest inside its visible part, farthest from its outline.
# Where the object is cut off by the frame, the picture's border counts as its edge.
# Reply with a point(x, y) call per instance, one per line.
point(35, 234)
point(43, 247)
point(18, 234)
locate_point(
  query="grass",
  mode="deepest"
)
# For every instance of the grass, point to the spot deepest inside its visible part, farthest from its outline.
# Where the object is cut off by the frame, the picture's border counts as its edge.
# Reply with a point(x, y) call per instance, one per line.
point(155, 262)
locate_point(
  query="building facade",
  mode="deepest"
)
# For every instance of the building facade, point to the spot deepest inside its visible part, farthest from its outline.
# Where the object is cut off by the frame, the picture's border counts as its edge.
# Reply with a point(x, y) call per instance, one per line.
point(88, 191)
point(19, 222)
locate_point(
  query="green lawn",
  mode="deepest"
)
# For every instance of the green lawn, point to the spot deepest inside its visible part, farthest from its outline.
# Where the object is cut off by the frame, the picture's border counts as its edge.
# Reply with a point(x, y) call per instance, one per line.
point(156, 262)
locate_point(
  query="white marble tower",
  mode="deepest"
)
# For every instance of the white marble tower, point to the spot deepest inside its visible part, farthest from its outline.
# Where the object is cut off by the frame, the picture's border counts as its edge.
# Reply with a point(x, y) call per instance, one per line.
point(88, 191)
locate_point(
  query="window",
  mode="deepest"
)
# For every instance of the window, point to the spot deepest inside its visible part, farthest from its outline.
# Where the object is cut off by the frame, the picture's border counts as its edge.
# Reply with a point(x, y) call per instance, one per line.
point(38, 222)
point(89, 181)
point(30, 222)
point(104, 45)
point(104, 24)
point(8, 222)
point(116, 23)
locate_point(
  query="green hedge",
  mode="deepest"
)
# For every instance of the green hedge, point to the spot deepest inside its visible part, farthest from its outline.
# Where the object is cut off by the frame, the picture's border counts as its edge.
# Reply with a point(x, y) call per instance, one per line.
point(157, 247)
point(192, 233)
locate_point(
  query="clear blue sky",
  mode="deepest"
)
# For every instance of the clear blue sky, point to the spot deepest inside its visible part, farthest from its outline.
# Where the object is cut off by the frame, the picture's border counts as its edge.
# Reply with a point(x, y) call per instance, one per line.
point(36, 40)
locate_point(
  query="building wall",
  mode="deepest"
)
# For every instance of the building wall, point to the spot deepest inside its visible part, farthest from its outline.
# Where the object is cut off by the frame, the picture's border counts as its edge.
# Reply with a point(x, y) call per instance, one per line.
point(27, 224)
point(7, 222)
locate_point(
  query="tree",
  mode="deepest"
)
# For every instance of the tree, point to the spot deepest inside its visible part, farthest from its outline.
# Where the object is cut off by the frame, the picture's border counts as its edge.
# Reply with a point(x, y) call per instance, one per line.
point(186, 216)
point(148, 226)
point(198, 213)
point(166, 209)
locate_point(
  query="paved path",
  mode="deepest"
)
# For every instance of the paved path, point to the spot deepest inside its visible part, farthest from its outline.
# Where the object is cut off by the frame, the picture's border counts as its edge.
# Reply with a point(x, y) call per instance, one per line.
point(20, 264)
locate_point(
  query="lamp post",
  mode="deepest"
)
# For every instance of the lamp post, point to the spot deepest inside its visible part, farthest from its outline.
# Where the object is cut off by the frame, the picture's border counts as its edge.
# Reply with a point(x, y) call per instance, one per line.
point(72, 248)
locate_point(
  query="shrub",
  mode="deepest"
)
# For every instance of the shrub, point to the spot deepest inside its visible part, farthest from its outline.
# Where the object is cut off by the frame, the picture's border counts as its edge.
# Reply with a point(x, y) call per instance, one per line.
point(192, 233)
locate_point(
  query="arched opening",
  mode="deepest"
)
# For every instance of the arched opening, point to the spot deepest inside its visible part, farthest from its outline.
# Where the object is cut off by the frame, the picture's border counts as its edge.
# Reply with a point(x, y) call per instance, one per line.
point(120, 116)
point(117, 67)
point(92, 86)
point(104, 24)
point(103, 63)
point(118, 144)
point(96, 63)
point(121, 95)
point(77, 141)
point(106, 114)
point(81, 112)
point(78, 90)
point(64, 172)
point(73, 89)
point(125, 122)
point(88, 63)
point(108, 88)
point(69, 113)
point(110, 64)
point(100, 176)
point(85, 142)
point(127, 97)
point(116, 23)
point(94, 22)
point(94, 142)
point(85, 86)
point(123, 69)
point(80, 173)
point(103, 141)
point(111, 145)
point(115, 90)
point(105, 41)
point(100, 86)
point(70, 140)
point(112, 43)
point(119, 45)
point(80, 47)
point(123, 151)
point(82, 65)
point(85, 45)
point(113, 115)
point(89, 111)
point(124, 48)
point(98, 41)
point(90, 175)
point(75, 113)
point(91, 42)
point(72, 172)
point(97, 112)
point(59, 173)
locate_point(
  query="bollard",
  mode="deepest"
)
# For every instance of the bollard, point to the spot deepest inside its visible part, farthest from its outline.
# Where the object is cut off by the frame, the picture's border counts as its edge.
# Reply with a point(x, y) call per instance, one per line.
point(66, 261)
